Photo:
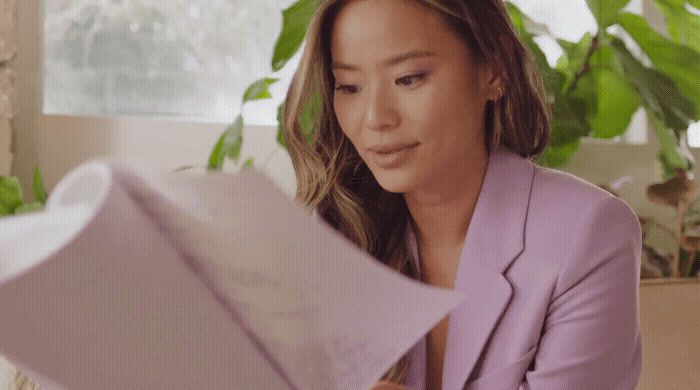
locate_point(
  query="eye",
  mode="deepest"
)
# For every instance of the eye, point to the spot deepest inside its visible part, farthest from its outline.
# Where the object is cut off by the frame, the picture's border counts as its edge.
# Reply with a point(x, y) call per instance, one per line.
point(406, 80)
point(347, 89)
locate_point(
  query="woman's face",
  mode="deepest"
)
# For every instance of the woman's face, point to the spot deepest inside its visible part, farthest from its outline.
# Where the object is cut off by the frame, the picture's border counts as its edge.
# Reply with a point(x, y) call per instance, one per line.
point(403, 78)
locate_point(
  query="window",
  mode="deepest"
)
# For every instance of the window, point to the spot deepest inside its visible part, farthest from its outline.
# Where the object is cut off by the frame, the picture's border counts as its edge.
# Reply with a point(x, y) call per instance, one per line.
point(193, 58)
point(180, 58)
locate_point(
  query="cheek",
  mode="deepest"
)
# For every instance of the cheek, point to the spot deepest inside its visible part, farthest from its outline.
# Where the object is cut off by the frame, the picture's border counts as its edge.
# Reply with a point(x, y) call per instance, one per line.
point(456, 107)
point(345, 119)
point(449, 121)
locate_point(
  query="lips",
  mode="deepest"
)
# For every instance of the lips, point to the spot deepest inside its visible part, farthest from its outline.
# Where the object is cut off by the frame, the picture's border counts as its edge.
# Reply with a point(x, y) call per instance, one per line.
point(389, 148)
point(397, 156)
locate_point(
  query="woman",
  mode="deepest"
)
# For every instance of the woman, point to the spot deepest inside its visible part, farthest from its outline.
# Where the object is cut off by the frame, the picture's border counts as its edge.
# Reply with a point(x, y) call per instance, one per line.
point(430, 118)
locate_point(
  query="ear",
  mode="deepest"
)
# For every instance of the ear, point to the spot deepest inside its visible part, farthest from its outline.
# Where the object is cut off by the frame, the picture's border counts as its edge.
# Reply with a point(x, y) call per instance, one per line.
point(492, 81)
point(494, 76)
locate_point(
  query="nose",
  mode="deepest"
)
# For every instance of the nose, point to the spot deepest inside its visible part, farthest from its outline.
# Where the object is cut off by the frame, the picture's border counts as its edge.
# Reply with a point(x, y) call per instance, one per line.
point(380, 111)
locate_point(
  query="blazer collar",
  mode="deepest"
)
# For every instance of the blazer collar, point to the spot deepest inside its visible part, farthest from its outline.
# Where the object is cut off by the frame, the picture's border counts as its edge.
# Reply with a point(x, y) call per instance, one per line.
point(495, 237)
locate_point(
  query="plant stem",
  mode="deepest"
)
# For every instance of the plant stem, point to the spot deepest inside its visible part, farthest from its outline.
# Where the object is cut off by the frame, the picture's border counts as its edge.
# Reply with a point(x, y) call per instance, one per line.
point(689, 264)
point(675, 266)
point(586, 66)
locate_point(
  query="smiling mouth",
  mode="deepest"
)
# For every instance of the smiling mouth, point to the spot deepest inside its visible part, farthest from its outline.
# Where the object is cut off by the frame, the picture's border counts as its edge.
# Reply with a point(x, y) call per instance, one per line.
point(393, 158)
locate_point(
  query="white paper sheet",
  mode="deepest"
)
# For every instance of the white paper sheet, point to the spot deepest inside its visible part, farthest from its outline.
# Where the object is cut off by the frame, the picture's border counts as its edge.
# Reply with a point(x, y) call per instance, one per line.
point(198, 281)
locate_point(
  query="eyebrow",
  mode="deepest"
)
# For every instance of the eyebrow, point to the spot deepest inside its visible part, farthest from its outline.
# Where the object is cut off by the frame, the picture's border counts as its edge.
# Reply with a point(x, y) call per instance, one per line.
point(393, 61)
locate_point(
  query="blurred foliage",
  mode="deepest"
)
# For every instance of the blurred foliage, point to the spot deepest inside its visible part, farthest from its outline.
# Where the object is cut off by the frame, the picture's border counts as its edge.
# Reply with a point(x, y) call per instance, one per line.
point(11, 195)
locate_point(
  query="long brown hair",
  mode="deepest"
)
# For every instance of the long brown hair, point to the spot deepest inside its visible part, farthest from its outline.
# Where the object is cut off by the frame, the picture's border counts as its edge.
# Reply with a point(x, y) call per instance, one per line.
point(332, 178)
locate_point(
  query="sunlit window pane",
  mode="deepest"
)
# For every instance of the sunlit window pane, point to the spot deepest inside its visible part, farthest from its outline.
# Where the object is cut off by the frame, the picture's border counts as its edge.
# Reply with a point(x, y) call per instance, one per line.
point(194, 58)
point(183, 58)
point(694, 135)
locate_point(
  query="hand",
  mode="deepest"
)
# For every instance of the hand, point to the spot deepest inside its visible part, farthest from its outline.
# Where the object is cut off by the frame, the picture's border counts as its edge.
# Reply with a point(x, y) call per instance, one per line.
point(386, 385)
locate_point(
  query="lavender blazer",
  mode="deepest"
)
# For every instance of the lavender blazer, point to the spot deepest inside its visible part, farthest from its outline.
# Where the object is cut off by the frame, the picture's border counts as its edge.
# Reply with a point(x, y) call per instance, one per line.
point(550, 269)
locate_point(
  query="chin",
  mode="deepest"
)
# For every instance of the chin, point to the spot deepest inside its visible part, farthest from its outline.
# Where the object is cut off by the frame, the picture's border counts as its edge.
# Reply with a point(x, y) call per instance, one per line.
point(394, 181)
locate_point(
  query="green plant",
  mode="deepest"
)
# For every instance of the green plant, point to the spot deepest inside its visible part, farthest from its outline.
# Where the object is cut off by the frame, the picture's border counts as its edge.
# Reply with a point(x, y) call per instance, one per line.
point(11, 195)
point(595, 88)
point(684, 260)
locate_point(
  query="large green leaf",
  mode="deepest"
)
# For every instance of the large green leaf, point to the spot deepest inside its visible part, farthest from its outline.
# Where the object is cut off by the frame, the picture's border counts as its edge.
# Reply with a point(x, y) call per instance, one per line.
point(680, 63)
point(10, 195)
point(229, 145)
point(683, 26)
point(657, 91)
point(295, 21)
point(568, 125)
point(568, 120)
point(604, 56)
point(610, 100)
point(672, 155)
point(586, 91)
point(572, 61)
point(260, 89)
point(617, 102)
point(558, 156)
point(606, 11)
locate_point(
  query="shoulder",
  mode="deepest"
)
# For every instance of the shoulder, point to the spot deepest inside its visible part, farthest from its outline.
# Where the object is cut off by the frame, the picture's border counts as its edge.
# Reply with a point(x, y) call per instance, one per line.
point(589, 225)
point(569, 216)
point(569, 198)
point(555, 185)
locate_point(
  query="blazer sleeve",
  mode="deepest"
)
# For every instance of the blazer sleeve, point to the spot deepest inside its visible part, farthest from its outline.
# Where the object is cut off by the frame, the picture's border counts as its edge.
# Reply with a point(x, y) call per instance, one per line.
point(591, 336)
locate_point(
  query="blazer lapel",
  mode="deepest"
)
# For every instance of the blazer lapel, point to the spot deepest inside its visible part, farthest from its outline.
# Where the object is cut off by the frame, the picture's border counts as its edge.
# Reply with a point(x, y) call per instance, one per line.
point(495, 237)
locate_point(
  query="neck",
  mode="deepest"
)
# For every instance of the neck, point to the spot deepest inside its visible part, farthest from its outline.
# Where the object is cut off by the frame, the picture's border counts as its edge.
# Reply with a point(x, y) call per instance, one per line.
point(442, 211)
